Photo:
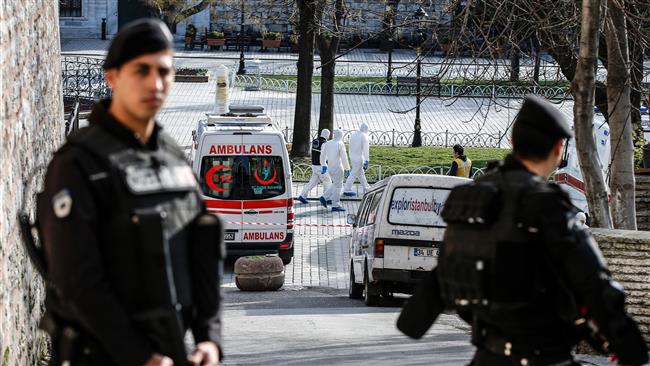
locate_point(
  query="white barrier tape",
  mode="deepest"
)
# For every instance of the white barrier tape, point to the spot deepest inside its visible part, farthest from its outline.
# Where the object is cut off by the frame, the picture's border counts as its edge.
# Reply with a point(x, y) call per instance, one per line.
point(277, 224)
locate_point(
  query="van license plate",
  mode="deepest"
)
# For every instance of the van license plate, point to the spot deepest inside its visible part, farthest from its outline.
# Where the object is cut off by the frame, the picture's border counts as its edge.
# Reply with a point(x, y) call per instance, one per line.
point(229, 236)
point(425, 252)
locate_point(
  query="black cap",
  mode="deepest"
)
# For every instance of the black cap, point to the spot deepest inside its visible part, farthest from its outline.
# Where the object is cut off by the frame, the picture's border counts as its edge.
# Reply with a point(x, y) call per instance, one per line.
point(539, 116)
point(139, 37)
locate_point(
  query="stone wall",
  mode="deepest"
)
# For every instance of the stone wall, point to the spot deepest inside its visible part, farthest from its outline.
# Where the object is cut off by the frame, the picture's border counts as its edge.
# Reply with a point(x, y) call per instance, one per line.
point(31, 128)
point(643, 202)
point(628, 257)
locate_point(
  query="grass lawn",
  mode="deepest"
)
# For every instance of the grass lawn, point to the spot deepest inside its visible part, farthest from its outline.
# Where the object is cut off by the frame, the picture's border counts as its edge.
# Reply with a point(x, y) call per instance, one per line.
point(428, 156)
point(381, 79)
point(431, 156)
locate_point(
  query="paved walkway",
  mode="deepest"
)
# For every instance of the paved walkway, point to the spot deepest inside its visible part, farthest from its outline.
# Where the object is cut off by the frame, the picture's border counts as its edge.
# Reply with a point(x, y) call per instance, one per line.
point(189, 102)
point(321, 246)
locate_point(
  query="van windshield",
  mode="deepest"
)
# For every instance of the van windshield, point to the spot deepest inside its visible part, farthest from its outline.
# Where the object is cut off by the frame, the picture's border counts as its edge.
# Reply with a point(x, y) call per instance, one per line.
point(236, 177)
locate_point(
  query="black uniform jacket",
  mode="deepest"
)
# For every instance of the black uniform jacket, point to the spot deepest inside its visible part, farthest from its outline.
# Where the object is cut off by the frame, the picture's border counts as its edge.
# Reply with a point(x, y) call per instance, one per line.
point(83, 266)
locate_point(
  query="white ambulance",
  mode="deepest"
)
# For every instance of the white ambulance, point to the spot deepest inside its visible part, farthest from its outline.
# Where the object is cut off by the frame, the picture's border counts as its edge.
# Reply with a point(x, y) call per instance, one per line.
point(396, 234)
point(569, 175)
point(243, 168)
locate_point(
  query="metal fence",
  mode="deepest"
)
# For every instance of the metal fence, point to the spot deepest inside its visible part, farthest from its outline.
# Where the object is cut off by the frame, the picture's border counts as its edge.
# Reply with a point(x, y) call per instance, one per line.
point(302, 172)
point(83, 77)
point(404, 138)
point(443, 90)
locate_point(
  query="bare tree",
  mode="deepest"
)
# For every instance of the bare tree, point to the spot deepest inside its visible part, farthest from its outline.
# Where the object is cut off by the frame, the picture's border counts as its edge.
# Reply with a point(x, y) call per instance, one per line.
point(302, 116)
point(328, 36)
point(583, 87)
point(173, 12)
point(621, 181)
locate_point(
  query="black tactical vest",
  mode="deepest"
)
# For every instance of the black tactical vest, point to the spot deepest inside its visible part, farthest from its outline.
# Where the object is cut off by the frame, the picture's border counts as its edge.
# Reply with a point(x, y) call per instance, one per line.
point(147, 201)
point(490, 264)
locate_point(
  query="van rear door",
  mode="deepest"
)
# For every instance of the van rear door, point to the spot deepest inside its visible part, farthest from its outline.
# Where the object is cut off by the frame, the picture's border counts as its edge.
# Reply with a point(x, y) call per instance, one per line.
point(220, 173)
point(265, 208)
point(414, 227)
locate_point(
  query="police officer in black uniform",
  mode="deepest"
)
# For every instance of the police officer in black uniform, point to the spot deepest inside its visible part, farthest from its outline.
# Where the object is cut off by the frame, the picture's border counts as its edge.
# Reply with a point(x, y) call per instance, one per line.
point(517, 267)
point(133, 259)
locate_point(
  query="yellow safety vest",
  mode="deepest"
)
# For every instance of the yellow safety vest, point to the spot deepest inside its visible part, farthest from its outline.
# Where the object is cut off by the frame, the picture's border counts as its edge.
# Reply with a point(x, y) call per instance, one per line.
point(464, 167)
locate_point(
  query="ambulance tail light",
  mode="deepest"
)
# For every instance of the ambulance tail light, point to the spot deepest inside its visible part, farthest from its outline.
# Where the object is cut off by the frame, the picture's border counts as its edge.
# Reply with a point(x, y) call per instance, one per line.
point(284, 246)
point(290, 215)
point(379, 248)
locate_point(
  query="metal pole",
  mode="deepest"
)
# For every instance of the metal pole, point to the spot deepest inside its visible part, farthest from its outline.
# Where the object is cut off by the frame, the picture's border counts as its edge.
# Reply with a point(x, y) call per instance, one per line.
point(242, 61)
point(389, 73)
point(417, 136)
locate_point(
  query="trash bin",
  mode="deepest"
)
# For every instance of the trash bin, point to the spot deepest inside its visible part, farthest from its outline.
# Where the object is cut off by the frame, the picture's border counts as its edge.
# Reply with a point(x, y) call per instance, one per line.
point(646, 156)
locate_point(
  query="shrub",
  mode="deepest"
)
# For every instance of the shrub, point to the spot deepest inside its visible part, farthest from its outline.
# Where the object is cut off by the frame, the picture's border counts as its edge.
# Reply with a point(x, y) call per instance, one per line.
point(216, 35)
point(272, 35)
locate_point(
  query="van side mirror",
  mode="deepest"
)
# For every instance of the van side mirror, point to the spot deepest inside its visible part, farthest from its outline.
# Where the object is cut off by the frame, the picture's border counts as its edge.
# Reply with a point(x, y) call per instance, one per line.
point(563, 164)
point(352, 219)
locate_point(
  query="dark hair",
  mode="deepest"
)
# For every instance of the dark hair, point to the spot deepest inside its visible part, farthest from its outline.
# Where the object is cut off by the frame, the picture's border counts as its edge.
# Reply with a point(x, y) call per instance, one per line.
point(458, 149)
point(530, 143)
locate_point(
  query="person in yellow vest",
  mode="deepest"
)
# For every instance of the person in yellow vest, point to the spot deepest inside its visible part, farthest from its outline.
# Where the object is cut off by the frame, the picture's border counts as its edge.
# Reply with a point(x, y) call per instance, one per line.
point(462, 166)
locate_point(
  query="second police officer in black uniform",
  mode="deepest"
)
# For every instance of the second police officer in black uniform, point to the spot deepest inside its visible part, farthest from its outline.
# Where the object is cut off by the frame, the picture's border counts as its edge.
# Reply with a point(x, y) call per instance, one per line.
point(517, 267)
point(133, 259)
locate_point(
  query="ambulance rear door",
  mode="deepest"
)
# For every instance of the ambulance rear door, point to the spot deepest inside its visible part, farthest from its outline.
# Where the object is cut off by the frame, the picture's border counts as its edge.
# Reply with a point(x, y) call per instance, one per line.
point(267, 197)
point(220, 171)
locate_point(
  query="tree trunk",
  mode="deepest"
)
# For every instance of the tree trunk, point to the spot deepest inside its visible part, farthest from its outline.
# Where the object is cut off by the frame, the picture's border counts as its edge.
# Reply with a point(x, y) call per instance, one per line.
point(537, 49)
point(514, 64)
point(563, 54)
point(621, 181)
point(328, 44)
point(327, 49)
point(583, 87)
point(302, 117)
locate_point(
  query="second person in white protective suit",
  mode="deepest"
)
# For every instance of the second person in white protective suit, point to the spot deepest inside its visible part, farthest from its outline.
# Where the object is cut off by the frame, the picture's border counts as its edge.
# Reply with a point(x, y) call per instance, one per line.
point(334, 159)
point(316, 175)
point(360, 159)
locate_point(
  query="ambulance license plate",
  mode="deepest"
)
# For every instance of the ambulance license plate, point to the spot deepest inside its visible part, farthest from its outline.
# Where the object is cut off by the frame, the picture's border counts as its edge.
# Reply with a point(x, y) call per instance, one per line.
point(229, 236)
point(425, 252)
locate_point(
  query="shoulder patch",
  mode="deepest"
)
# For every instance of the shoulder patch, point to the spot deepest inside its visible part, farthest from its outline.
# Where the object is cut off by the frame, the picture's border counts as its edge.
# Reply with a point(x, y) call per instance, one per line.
point(62, 203)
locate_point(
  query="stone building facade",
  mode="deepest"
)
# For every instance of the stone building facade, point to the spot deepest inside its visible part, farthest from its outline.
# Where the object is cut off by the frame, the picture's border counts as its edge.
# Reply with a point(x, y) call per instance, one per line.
point(31, 128)
point(363, 16)
point(642, 197)
point(83, 18)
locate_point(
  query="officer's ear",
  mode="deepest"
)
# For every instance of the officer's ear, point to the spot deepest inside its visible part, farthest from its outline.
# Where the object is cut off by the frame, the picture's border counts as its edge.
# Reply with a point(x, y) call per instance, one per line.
point(109, 76)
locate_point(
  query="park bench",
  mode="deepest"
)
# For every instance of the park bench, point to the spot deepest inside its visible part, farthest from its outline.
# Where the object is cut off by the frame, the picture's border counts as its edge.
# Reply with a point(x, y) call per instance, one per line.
point(427, 84)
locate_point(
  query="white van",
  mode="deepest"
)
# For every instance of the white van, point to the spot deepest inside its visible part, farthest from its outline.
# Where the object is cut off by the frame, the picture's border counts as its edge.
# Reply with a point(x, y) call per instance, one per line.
point(396, 234)
point(243, 168)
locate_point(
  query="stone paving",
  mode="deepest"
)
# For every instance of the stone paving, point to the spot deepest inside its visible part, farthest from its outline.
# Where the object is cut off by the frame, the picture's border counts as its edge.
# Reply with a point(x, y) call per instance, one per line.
point(320, 246)
point(188, 102)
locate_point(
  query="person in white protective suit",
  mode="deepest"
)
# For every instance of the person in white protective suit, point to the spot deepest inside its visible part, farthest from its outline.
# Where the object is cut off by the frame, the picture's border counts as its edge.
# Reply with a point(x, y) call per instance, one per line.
point(360, 159)
point(316, 175)
point(334, 159)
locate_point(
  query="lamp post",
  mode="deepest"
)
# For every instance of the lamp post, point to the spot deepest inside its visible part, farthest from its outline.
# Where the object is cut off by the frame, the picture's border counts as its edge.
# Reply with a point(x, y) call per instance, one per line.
point(240, 39)
point(419, 16)
point(391, 40)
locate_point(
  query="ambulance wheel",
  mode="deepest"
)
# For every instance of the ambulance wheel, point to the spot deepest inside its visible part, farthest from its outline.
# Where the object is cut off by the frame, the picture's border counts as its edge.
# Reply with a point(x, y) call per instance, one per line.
point(286, 255)
point(355, 291)
point(370, 296)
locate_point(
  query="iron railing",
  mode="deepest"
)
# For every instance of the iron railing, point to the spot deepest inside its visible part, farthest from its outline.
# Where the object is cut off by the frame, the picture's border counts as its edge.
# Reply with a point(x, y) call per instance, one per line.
point(404, 138)
point(301, 172)
point(444, 90)
point(83, 78)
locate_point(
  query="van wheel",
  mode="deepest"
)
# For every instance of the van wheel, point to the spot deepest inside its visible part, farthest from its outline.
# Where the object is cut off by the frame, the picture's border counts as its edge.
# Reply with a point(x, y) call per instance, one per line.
point(286, 256)
point(355, 291)
point(370, 296)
